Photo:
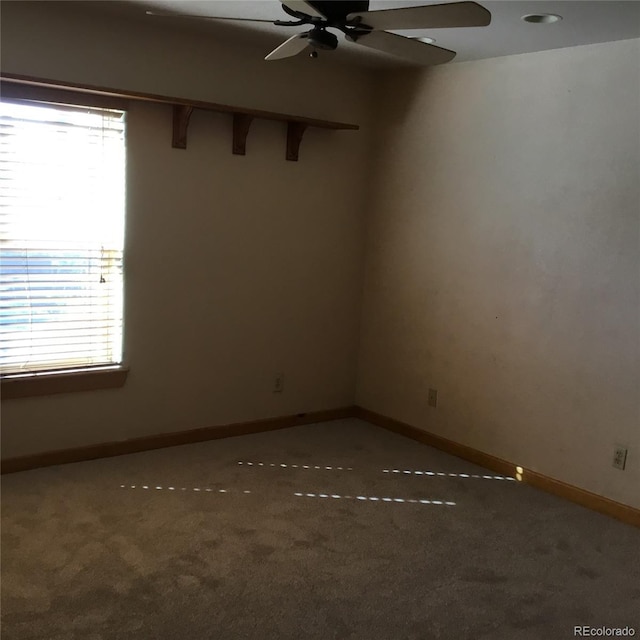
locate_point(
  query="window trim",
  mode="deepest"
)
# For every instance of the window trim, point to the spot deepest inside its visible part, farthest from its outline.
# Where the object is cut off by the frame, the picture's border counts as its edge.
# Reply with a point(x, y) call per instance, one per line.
point(53, 382)
point(44, 383)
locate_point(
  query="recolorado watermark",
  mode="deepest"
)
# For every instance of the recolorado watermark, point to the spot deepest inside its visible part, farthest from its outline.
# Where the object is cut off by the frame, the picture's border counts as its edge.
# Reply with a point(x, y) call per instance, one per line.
point(604, 632)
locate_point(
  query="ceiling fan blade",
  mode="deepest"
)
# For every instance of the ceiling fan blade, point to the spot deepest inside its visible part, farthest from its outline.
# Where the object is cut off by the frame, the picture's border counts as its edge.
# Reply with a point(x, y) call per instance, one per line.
point(302, 7)
point(408, 48)
point(291, 47)
point(433, 16)
point(163, 14)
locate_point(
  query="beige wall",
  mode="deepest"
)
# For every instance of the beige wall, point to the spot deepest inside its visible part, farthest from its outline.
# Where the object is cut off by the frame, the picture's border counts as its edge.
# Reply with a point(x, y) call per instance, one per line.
point(503, 263)
point(237, 267)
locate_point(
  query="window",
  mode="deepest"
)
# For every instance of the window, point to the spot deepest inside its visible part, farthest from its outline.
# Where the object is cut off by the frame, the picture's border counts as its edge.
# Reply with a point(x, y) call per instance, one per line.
point(62, 180)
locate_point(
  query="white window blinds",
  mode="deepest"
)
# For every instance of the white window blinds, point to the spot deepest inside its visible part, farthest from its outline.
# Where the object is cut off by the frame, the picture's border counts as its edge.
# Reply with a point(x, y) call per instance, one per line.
point(62, 181)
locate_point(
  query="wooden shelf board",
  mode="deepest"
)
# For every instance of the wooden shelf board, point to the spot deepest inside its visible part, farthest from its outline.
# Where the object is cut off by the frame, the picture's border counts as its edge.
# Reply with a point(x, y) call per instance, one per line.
point(11, 81)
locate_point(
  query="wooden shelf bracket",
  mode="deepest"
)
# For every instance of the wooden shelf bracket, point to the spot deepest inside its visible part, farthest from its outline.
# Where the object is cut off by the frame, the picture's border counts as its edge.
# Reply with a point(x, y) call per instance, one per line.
point(295, 131)
point(241, 124)
point(181, 115)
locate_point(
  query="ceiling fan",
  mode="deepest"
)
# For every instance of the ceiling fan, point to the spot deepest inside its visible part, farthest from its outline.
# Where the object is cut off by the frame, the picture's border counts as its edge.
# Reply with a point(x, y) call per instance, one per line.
point(367, 28)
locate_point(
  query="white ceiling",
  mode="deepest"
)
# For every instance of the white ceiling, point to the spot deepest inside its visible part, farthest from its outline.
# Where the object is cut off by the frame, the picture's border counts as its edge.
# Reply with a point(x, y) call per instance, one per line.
point(584, 22)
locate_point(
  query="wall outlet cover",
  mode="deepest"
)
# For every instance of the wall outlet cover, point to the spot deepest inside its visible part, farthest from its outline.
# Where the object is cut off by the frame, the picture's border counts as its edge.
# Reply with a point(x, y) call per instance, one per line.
point(620, 457)
point(278, 383)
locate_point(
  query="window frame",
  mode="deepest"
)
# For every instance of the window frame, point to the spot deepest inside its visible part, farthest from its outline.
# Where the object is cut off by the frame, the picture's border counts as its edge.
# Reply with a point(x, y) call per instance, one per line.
point(38, 383)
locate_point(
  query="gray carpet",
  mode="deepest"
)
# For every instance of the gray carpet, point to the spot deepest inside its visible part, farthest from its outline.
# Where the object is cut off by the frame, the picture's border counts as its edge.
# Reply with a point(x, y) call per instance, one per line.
point(329, 546)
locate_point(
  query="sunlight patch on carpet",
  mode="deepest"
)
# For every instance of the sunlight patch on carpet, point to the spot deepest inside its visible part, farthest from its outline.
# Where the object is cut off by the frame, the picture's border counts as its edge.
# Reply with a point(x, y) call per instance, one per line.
point(281, 465)
point(446, 503)
point(196, 489)
point(447, 475)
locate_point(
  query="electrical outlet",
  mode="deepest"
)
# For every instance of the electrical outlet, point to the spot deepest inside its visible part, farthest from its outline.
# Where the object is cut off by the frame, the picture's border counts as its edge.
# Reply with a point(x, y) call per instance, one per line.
point(278, 383)
point(619, 457)
point(433, 398)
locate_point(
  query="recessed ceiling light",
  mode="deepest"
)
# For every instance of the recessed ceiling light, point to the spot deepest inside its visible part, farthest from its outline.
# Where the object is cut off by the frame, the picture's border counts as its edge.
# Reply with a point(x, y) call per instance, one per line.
point(427, 40)
point(542, 18)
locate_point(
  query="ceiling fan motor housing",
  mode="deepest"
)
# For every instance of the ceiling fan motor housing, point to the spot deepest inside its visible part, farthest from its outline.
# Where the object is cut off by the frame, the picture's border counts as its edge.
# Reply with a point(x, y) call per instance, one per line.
point(321, 39)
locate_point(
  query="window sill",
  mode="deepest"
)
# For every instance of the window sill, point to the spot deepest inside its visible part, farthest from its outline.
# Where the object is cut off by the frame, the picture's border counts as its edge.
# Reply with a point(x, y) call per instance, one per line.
point(62, 382)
